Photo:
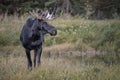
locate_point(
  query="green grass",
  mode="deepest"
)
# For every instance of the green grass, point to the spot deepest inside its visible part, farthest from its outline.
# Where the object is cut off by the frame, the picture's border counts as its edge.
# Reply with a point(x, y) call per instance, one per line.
point(101, 35)
point(82, 50)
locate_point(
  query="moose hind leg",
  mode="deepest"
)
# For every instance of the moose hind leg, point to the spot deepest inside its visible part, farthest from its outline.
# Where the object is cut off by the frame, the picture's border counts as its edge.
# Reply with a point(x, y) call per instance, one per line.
point(39, 55)
point(29, 59)
point(35, 55)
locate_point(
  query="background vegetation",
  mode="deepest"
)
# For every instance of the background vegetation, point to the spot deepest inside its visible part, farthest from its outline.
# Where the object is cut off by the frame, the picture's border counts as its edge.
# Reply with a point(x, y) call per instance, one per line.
point(85, 48)
point(89, 9)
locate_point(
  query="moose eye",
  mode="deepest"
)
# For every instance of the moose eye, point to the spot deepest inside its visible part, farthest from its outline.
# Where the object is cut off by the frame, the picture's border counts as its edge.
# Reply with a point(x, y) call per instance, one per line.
point(40, 27)
point(44, 24)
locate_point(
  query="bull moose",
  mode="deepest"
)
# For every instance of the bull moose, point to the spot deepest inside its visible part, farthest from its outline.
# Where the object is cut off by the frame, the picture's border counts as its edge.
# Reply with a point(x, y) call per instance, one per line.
point(32, 37)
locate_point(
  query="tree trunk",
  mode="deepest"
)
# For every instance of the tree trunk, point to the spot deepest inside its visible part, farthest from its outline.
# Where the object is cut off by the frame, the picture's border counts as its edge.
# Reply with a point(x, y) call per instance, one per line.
point(66, 6)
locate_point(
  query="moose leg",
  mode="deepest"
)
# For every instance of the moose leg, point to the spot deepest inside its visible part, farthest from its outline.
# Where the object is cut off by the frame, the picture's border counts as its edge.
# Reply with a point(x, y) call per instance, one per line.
point(29, 58)
point(35, 54)
point(39, 55)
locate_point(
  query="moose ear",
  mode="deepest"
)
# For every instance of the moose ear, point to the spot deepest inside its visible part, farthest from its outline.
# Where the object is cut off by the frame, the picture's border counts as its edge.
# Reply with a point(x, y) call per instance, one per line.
point(29, 22)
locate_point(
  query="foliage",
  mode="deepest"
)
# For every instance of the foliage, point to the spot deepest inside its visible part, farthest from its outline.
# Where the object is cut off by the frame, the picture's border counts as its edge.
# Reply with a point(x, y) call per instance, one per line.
point(89, 9)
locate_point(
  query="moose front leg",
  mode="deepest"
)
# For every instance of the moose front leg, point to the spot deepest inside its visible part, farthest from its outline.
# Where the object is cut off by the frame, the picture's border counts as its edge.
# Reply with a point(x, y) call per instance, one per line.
point(39, 52)
point(29, 59)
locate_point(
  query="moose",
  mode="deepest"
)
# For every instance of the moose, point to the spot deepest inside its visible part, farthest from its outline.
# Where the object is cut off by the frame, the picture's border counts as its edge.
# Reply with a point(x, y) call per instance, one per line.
point(32, 36)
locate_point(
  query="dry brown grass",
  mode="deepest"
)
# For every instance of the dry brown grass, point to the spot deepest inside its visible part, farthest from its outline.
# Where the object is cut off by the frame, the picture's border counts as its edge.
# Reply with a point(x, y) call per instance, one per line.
point(58, 48)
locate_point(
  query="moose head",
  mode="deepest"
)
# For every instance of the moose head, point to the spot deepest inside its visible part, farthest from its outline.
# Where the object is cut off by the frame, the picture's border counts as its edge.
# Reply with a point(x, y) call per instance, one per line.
point(40, 25)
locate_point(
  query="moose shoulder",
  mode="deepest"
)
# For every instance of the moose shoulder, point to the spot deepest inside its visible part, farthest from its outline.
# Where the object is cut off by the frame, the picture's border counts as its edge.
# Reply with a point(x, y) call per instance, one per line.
point(32, 37)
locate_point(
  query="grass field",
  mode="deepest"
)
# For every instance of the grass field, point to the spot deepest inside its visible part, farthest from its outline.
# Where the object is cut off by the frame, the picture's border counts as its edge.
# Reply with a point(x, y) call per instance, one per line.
point(82, 50)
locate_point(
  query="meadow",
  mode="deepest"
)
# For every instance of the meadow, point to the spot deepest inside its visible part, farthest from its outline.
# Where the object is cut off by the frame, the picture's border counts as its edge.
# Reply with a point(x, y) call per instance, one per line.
point(82, 50)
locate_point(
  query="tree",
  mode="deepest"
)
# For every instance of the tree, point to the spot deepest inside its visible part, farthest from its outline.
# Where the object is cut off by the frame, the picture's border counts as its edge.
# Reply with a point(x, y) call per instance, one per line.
point(90, 9)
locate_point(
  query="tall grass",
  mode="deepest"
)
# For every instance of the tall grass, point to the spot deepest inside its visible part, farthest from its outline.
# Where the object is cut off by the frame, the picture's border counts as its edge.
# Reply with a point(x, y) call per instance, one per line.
point(13, 68)
point(102, 35)
point(82, 50)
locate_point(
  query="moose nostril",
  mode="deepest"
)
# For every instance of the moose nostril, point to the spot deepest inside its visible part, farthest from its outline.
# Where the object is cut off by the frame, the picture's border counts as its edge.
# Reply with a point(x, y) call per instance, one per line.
point(55, 32)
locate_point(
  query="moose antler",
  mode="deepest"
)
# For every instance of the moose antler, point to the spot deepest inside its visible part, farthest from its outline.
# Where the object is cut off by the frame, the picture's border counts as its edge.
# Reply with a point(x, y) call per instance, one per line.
point(34, 14)
point(45, 15)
